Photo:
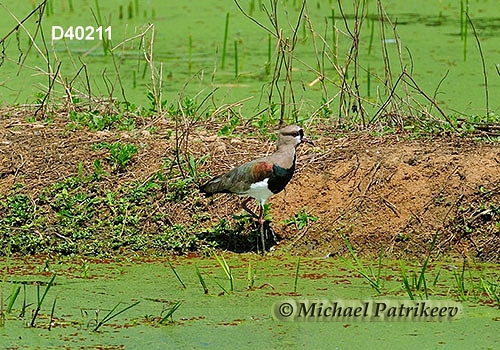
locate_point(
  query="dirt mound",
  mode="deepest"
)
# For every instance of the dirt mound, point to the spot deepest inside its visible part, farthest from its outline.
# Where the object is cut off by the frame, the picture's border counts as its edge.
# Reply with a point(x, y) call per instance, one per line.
point(390, 192)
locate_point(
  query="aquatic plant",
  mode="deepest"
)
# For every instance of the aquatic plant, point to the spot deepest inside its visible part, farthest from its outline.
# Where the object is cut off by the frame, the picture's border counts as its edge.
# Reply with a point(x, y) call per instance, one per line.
point(296, 280)
point(41, 298)
point(176, 274)
point(373, 277)
point(225, 267)
point(112, 314)
point(202, 280)
point(170, 312)
point(224, 45)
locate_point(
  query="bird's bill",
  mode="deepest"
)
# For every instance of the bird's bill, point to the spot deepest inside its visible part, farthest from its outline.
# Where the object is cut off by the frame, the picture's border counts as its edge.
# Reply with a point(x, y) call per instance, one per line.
point(306, 140)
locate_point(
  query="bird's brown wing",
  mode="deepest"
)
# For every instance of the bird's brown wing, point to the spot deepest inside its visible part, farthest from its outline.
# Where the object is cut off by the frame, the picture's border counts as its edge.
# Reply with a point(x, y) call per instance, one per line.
point(239, 179)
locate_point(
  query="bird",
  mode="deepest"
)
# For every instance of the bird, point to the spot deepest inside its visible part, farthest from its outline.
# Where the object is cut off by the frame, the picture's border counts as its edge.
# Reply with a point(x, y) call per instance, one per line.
point(263, 177)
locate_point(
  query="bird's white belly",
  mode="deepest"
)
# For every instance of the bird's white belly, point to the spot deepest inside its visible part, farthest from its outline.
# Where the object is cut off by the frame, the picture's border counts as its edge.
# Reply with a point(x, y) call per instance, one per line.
point(259, 191)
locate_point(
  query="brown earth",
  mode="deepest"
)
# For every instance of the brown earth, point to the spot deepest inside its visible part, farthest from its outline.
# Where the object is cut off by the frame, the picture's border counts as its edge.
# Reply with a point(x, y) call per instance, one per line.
point(391, 192)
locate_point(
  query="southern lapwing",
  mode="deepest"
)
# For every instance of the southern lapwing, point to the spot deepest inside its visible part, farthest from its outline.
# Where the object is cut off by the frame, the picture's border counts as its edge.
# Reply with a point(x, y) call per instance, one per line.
point(263, 177)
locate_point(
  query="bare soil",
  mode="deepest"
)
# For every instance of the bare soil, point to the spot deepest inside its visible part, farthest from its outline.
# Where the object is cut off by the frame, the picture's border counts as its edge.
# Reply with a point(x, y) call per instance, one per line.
point(391, 192)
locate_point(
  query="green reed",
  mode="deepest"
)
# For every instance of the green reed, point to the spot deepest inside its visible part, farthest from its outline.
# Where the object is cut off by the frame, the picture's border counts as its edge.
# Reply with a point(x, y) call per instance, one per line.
point(297, 269)
point(227, 270)
point(224, 45)
point(112, 314)
point(202, 280)
point(176, 275)
point(190, 53)
point(236, 58)
point(171, 311)
point(41, 298)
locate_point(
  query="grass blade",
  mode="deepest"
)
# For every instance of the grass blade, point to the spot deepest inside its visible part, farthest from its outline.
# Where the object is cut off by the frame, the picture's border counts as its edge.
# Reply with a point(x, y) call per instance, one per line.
point(171, 311)
point(436, 278)
point(251, 275)
point(296, 276)
point(405, 281)
point(224, 45)
point(12, 298)
point(52, 313)
point(110, 315)
point(216, 282)
point(41, 299)
point(176, 275)
point(227, 270)
point(202, 281)
point(374, 282)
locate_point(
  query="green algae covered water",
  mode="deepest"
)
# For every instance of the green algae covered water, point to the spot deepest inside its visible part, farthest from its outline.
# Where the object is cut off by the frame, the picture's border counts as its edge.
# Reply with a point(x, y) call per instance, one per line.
point(85, 291)
point(433, 41)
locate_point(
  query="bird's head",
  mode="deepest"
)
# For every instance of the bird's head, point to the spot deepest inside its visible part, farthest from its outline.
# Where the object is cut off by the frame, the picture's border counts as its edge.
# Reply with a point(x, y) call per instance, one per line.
point(292, 135)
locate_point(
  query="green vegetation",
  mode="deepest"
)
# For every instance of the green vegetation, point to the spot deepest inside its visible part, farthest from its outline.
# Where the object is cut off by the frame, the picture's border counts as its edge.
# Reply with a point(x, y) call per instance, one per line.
point(40, 299)
point(473, 285)
point(370, 275)
point(78, 215)
point(81, 214)
point(112, 314)
point(301, 219)
point(337, 66)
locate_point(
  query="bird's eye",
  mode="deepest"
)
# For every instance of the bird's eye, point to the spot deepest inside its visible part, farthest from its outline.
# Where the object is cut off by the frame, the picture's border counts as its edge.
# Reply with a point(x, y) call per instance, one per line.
point(294, 134)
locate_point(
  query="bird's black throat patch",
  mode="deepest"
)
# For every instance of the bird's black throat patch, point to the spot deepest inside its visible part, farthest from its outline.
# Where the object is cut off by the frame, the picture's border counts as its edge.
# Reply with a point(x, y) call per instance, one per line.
point(280, 177)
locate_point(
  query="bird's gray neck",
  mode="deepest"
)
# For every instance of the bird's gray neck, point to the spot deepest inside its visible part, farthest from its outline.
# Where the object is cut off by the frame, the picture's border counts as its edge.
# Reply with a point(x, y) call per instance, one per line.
point(284, 157)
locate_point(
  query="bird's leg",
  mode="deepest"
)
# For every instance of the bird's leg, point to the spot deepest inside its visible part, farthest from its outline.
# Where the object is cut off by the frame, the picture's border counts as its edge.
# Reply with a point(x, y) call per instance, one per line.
point(245, 206)
point(269, 231)
point(261, 215)
point(260, 220)
point(261, 229)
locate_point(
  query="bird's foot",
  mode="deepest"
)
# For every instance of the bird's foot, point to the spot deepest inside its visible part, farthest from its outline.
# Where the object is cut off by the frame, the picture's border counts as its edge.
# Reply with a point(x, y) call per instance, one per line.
point(269, 233)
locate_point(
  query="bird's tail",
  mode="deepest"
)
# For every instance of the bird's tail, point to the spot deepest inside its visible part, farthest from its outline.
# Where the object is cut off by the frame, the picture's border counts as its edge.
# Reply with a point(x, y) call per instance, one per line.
point(211, 187)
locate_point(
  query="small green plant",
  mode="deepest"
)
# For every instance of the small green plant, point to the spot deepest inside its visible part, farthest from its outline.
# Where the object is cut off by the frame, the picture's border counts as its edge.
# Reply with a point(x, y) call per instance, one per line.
point(52, 313)
point(371, 276)
point(251, 275)
point(225, 267)
point(177, 238)
point(301, 219)
point(491, 290)
point(12, 298)
point(406, 282)
point(224, 45)
point(170, 312)
point(40, 299)
point(96, 121)
point(20, 210)
point(193, 166)
point(98, 171)
point(460, 281)
point(228, 129)
point(236, 63)
point(224, 290)
point(176, 275)
point(418, 283)
point(202, 280)
point(112, 314)
point(188, 107)
point(154, 103)
point(120, 154)
point(297, 269)
point(179, 189)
